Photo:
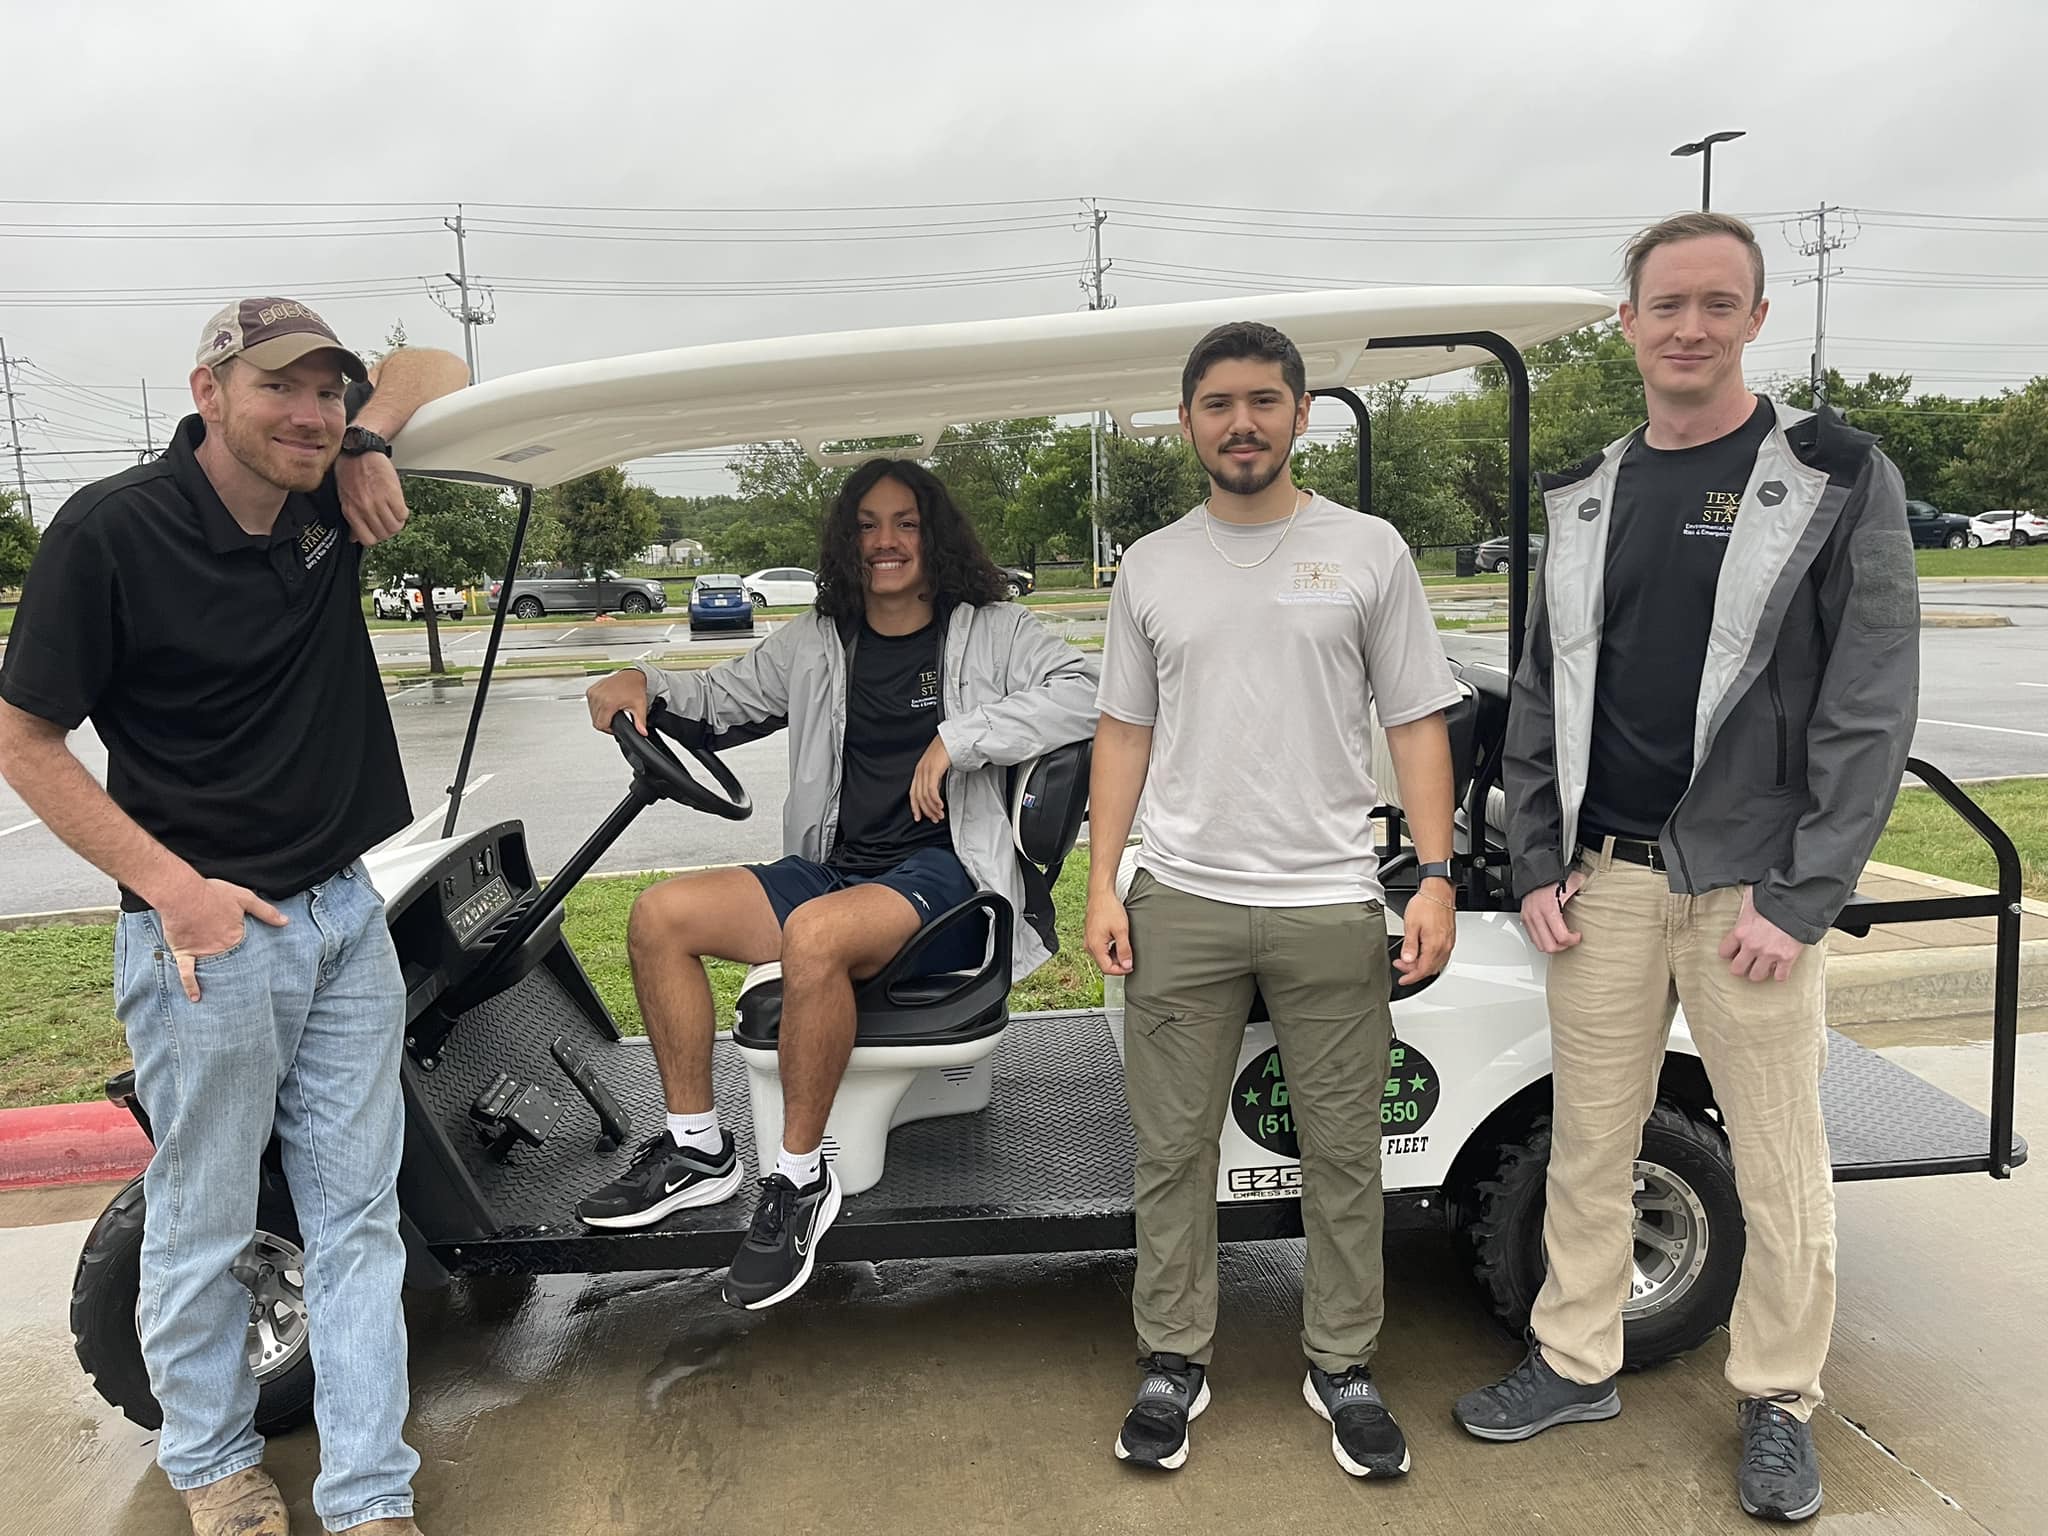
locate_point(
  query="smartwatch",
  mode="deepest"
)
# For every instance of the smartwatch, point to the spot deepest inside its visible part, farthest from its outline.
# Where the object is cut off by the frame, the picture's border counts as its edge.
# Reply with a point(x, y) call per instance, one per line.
point(356, 440)
point(1440, 870)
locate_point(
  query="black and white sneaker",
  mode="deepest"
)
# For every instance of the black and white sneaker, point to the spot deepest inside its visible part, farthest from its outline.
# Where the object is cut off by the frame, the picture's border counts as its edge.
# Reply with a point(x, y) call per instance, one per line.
point(1363, 1435)
point(1174, 1391)
point(664, 1177)
point(774, 1262)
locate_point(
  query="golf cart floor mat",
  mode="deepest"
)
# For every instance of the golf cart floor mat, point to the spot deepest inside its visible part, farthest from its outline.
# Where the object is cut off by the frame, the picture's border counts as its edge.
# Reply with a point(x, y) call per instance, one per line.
point(1046, 1168)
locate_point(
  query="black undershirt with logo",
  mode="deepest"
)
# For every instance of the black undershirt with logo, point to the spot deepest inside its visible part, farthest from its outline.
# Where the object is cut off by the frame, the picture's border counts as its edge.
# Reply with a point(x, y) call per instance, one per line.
point(1674, 510)
point(892, 715)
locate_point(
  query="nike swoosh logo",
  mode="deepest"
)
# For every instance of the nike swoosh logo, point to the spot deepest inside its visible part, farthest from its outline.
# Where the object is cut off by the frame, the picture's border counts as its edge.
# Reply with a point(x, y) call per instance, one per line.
point(679, 1183)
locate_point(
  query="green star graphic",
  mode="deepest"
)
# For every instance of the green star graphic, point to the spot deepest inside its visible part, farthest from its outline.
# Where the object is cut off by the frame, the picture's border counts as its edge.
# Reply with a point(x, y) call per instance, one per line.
point(1417, 1084)
point(1251, 1097)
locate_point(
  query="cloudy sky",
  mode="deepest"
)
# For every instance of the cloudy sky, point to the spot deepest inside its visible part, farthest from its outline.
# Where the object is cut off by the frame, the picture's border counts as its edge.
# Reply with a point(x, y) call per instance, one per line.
point(640, 175)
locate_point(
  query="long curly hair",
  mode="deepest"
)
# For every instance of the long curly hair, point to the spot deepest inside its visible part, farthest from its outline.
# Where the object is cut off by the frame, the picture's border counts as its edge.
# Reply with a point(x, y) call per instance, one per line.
point(956, 568)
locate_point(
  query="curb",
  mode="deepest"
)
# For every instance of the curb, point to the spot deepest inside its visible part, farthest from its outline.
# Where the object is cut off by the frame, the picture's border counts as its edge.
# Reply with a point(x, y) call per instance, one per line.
point(1927, 983)
point(83, 915)
point(69, 1144)
point(1963, 620)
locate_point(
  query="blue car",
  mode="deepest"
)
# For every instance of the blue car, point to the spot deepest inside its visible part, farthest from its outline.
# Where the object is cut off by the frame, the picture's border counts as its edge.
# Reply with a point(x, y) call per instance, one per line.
point(720, 602)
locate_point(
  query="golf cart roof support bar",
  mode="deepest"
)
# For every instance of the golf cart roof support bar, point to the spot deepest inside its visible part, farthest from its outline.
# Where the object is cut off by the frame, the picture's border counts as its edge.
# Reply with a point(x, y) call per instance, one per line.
point(1518, 466)
point(1364, 419)
point(2005, 987)
point(483, 682)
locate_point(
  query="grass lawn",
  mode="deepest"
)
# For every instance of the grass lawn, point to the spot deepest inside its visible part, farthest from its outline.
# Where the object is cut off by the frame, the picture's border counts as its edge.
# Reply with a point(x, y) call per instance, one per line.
point(6, 621)
point(1925, 834)
point(1989, 563)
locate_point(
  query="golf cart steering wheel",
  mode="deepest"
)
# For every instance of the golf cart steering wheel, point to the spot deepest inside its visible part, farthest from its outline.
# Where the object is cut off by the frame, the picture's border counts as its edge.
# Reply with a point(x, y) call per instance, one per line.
point(656, 765)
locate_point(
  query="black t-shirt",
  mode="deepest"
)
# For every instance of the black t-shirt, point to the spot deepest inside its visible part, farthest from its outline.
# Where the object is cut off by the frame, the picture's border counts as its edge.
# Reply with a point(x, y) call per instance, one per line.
point(892, 714)
point(1674, 510)
point(230, 677)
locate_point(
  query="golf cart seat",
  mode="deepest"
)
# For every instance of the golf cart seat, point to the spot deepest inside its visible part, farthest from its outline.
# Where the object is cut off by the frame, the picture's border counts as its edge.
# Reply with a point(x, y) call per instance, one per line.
point(1467, 719)
point(922, 1042)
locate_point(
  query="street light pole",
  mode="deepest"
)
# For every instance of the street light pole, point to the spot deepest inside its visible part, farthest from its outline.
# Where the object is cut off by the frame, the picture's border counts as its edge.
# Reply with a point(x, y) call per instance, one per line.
point(1705, 149)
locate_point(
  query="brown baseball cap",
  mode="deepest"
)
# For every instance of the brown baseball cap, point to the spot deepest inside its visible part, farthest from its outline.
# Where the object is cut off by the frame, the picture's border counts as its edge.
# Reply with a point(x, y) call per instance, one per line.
point(272, 334)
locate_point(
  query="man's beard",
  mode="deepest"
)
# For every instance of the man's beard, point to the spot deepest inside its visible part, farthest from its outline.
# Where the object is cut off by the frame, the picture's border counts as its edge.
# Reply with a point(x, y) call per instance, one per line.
point(253, 449)
point(1250, 480)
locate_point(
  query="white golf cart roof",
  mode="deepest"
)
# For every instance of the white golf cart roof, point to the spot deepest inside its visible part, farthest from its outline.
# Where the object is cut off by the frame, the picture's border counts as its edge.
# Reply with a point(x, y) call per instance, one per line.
point(548, 425)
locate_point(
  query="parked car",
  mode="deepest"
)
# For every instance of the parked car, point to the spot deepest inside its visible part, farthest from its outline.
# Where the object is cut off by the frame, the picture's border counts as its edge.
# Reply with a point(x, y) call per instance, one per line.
point(720, 600)
point(542, 589)
point(1933, 528)
point(400, 598)
point(1493, 554)
point(783, 586)
point(1021, 579)
point(2018, 529)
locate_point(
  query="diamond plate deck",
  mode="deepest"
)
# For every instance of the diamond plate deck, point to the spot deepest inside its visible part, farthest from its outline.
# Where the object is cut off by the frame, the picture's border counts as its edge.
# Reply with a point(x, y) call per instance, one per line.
point(1047, 1167)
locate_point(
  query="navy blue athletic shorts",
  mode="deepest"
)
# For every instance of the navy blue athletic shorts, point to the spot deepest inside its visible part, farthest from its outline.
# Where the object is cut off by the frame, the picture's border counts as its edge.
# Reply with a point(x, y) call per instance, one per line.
point(931, 880)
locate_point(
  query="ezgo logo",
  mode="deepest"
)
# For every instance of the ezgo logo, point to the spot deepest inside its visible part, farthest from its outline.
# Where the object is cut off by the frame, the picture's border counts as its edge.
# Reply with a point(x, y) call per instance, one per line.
point(1264, 1110)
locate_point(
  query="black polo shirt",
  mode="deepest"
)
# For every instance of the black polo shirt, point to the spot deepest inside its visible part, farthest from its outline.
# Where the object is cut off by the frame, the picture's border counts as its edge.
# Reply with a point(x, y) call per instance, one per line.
point(230, 677)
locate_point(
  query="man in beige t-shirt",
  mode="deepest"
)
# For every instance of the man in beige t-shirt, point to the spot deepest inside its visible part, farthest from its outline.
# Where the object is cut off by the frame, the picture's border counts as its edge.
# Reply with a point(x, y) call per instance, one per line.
point(1245, 643)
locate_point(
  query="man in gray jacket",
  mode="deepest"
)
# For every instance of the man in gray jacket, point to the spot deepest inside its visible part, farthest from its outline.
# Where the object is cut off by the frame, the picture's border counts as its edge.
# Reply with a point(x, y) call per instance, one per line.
point(906, 693)
point(1707, 734)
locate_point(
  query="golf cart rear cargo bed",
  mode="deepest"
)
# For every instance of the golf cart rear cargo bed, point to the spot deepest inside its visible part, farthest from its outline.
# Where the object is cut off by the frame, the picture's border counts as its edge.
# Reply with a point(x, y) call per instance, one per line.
point(1045, 1169)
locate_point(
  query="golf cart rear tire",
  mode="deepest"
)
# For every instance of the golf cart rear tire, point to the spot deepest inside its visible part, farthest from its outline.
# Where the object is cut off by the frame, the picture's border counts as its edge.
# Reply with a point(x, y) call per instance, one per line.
point(103, 1329)
point(1502, 1234)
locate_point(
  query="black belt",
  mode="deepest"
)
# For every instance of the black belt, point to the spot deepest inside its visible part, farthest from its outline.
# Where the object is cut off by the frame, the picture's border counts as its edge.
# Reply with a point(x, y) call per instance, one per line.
point(1630, 850)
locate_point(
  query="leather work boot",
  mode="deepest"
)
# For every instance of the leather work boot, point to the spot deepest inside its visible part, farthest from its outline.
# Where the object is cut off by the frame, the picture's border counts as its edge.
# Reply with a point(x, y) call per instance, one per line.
point(244, 1503)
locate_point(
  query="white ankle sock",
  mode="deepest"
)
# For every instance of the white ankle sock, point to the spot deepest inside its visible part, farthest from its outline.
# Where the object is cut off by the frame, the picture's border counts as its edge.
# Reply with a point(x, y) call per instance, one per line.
point(800, 1168)
point(699, 1133)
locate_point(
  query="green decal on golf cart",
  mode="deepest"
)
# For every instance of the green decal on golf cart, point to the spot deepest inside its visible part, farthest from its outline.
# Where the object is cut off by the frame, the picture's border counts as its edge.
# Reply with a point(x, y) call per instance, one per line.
point(1264, 1109)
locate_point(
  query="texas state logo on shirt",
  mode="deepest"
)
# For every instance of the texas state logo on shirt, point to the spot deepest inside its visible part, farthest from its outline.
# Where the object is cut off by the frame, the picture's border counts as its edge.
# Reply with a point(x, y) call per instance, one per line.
point(927, 694)
point(1716, 516)
point(1314, 581)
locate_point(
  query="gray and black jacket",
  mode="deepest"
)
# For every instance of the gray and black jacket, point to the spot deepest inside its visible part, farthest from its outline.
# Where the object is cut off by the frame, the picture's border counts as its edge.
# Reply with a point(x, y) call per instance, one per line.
point(1807, 701)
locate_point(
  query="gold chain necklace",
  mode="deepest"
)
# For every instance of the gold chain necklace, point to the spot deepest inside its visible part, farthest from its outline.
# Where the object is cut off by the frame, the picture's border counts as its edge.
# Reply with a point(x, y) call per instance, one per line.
point(1252, 565)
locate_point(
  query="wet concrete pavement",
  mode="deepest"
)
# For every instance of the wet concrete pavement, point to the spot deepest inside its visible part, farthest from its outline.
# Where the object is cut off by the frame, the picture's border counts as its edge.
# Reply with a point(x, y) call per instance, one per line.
point(982, 1395)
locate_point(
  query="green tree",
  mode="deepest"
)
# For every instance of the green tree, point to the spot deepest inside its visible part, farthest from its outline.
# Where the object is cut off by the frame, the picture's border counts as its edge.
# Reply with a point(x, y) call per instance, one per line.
point(1412, 468)
point(780, 510)
point(18, 541)
point(1150, 482)
point(2006, 462)
point(1049, 515)
point(455, 534)
point(1924, 435)
point(606, 523)
point(984, 466)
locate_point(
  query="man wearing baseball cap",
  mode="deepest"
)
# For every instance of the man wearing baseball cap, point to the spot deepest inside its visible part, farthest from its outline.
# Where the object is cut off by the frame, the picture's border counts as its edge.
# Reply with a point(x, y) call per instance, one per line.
point(204, 611)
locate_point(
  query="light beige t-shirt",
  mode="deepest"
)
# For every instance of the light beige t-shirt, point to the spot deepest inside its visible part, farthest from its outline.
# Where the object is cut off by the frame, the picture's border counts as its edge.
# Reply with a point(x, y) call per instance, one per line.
point(1256, 684)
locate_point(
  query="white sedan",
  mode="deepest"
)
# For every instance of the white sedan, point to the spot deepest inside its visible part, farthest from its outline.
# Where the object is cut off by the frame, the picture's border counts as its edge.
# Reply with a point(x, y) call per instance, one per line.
point(783, 586)
point(2015, 528)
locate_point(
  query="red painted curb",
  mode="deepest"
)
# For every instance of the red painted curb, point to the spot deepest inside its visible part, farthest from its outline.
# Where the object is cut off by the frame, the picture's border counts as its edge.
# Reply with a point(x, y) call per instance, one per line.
point(69, 1144)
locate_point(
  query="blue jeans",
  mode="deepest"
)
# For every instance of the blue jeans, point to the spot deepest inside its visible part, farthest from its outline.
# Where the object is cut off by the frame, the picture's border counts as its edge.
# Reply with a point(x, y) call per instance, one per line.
point(298, 1030)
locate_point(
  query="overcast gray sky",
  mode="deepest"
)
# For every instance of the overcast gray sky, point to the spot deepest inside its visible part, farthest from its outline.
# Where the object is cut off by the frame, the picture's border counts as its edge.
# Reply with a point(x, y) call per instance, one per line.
point(198, 151)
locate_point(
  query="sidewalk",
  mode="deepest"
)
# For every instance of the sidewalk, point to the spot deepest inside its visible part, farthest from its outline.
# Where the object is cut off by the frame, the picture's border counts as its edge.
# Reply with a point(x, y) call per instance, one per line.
point(1902, 971)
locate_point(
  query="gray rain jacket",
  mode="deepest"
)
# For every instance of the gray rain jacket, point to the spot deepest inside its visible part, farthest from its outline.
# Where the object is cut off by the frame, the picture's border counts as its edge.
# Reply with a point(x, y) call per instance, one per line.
point(1010, 690)
point(1808, 698)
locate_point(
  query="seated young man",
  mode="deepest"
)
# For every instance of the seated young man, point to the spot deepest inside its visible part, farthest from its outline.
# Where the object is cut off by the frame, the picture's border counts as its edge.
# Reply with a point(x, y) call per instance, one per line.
point(907, 693)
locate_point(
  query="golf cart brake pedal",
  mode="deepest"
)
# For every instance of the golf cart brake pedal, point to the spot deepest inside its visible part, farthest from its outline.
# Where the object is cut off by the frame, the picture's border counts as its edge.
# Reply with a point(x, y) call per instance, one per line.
point(618, 1125)
point(506, 1114)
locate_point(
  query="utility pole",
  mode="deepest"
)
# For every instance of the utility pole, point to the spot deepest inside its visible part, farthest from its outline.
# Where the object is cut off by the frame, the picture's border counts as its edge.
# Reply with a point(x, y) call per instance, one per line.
point(1820, 247)
point(1091, 284)
point(7, 363)
point(466, 314)
point(148, 436)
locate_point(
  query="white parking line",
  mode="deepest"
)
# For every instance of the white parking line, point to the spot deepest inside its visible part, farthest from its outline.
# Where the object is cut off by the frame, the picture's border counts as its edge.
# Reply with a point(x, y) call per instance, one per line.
point(33, 821)
point(2002, 730)
point(563, 638)
point(435, 817)
point(657, 644)
point(2033, 685)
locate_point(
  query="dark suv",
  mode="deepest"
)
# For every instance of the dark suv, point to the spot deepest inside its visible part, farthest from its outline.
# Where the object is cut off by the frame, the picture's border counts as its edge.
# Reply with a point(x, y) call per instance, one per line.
point(1933, 528)
point(544, 589)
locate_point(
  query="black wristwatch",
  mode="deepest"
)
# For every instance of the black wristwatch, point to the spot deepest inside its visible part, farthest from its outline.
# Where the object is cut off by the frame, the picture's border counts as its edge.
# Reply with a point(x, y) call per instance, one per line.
point(1440, 870)
point(355, 440)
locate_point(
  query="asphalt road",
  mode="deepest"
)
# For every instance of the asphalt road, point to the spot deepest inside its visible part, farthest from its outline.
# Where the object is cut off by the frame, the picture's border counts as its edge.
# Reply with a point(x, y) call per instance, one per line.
point(1983, 713)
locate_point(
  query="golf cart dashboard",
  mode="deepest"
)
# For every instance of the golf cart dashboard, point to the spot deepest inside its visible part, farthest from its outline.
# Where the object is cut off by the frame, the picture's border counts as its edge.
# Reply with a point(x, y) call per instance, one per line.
point(447, 919)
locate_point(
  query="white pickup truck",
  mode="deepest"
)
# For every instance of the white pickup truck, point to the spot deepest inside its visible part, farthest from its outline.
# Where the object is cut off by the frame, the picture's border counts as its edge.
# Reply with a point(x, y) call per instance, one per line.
point(400, 599)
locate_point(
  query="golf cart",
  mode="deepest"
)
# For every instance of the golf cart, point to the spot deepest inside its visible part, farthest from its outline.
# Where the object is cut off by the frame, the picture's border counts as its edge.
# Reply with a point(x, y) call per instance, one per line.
point(962, 1129)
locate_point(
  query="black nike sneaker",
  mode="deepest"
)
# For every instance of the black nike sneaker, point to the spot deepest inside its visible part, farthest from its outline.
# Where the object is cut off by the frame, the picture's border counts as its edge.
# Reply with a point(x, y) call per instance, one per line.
point(664, 1177)
point(774, 1262)
point(1173, 1391)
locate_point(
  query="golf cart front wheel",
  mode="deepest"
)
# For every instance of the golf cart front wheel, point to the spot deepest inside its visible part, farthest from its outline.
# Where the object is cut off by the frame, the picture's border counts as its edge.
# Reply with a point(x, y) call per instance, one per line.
point(109, 1282)
point(1688, 1234)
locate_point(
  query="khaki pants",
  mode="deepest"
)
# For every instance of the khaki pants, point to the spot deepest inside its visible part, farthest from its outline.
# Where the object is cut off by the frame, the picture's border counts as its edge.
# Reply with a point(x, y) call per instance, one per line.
point(1323, 972)
point(1764, 1045)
